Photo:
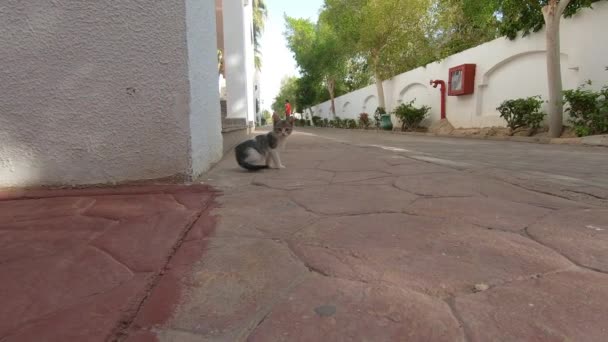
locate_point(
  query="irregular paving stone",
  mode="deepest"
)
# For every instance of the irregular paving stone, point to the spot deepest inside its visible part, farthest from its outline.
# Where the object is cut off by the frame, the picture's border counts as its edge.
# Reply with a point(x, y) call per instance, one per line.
point(66, 223)
point(292, 179)
point(485, 212)
point(377, 181)
point(166, 295)
point(22, 210)
point(234, 284)
point(362, 313)
point(194, 200)
point(295, 159)
point(262, 213)
point(357, 161)
point(339, 199)
point(143, 189)
point(38, 287)
point(120, 207)
point(581, 235)
point(161, 231)
point(17, 245)
point(348, 177)
point(397, 160)
point(429, 255)
point(144, 336)
point(446, 185)
point(508, 192)
point(418, 168)
point(567, 306)
point(92, 320)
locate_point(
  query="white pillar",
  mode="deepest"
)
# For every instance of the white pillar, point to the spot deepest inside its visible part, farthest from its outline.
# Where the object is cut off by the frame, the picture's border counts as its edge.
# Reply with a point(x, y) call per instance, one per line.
point(206, 144)
point(239, 58)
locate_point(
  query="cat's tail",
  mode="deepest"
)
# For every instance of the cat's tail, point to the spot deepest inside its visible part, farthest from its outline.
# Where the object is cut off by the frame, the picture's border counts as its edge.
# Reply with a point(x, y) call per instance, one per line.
point(252, 167)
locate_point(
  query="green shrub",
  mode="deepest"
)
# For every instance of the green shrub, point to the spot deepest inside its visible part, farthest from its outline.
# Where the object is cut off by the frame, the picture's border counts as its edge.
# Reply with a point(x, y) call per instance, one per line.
point(339, 123)
point(588, 110)
point(410, 115)
point(364, 120)
point(325, 123)
point(520, 113)
point(317, 121)
point(332, 123)
point(350, 124)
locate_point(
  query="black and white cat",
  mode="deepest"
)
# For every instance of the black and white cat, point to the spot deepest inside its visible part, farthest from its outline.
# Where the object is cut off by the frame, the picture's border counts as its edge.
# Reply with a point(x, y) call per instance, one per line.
point(262, 152)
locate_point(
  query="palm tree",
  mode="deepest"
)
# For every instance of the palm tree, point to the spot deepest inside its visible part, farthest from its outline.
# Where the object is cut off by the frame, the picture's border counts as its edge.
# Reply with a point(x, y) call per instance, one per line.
point(260, 13)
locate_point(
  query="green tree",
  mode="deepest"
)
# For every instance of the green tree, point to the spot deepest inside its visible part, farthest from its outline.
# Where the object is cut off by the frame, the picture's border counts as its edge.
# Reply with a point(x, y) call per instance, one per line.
point(260, 13)
point(530, 16)
point(457, 25)
point(318, 52)
point(390, 34)
point(288, 91)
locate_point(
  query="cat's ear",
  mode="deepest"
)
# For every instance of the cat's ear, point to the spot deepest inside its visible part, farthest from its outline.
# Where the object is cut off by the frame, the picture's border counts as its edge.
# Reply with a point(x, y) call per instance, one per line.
point(275, 118)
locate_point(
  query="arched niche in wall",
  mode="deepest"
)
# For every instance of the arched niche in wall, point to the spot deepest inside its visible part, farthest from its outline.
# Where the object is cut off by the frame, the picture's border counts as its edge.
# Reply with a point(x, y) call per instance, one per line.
point(520, 75)
point(420, 93)
point(415, 90)
point(346, 109)
point(370, 104)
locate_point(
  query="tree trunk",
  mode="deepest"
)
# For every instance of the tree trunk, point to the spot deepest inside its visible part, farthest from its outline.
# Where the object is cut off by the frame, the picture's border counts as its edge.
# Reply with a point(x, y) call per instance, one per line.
point(331, 88)
point(552, 13)
point(380, 87)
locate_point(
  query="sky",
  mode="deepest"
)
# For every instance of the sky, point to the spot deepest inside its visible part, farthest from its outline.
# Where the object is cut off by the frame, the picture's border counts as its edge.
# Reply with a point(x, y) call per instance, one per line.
point(277, 60)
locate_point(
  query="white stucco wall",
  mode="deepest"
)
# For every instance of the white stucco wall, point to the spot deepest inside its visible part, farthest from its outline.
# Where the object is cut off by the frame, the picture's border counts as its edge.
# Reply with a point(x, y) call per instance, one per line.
point(239, 58)
point(205, 120)
point(99, 91)
point(505, 70)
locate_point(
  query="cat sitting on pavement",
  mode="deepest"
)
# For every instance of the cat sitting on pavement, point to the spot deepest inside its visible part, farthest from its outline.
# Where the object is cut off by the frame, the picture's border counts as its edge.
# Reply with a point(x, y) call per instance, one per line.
point(262, 152)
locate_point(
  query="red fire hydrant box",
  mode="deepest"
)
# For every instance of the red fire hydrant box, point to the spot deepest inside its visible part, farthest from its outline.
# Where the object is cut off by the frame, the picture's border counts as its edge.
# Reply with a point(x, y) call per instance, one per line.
point(462, 80)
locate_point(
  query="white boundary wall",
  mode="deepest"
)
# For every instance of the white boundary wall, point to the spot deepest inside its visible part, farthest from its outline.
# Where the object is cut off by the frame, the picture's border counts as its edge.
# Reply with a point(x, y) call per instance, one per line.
point(505, 70)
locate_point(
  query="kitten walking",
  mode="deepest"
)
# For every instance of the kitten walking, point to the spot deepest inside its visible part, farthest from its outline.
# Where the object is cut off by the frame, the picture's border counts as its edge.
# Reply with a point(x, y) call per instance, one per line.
point(258, 153)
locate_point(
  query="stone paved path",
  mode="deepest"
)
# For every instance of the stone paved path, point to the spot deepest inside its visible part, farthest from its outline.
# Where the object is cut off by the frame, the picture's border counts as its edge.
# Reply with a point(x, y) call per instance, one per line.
point(75, 265)
point(353, 243)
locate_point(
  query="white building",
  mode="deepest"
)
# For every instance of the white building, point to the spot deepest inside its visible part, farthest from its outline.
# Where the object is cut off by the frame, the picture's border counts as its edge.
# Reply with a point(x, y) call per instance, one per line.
point(106, 94)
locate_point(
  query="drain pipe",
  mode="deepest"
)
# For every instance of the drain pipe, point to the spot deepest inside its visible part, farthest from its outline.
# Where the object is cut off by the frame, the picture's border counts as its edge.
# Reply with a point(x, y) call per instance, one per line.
point(442, 89)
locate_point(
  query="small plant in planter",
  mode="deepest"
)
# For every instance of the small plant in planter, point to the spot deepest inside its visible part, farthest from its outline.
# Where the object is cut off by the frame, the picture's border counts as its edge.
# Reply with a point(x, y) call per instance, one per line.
point(383, 120)
point(364, 120)
point(522, 113)
point(410, 115)
point(378, 116)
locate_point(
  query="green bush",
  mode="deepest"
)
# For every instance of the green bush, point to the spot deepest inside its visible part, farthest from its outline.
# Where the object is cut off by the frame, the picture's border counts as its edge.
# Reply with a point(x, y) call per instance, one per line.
point(317, 121)
point(588, 110)
point(364, 120)
point(325, 122)
point(524, 112)
point(410, 115)
point(332, 123)
point(339, 123)
point(350, 124)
